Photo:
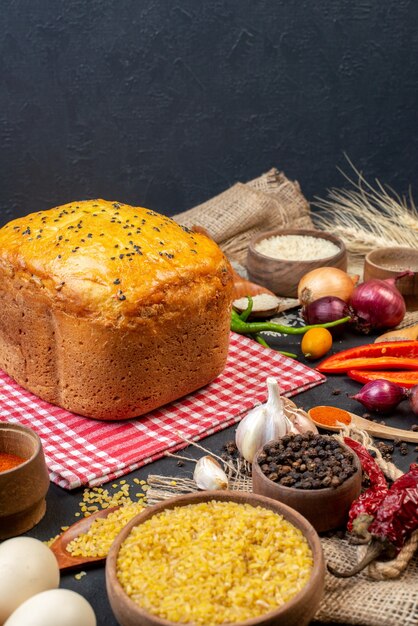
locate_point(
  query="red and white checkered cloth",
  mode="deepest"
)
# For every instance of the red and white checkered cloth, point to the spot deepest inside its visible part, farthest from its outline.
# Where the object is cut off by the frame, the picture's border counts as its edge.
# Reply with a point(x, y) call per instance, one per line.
point(81, 451)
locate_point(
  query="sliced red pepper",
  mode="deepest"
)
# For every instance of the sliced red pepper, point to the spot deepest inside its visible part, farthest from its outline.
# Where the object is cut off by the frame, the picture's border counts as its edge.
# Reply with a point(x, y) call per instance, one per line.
point(379, 363)
point(352, 357)
point(405, 379)
point(408, 349)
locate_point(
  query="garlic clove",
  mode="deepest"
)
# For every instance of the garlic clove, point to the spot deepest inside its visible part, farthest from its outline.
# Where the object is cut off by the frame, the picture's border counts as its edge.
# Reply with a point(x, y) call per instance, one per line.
point(302, 424)
point(299, 419)
point(208, 474)
point(250, 434)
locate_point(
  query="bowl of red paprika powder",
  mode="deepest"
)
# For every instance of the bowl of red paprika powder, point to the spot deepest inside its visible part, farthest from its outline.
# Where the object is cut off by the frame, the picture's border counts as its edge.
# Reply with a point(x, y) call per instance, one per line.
point(24, 480)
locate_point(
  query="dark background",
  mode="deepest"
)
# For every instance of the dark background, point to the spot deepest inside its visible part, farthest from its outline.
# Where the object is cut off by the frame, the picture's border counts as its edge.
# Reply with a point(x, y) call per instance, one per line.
point(165, 103)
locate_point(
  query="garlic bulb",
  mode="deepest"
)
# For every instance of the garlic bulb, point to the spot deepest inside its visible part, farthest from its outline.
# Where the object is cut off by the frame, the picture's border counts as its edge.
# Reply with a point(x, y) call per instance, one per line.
point(208, 474)
point(263, 423)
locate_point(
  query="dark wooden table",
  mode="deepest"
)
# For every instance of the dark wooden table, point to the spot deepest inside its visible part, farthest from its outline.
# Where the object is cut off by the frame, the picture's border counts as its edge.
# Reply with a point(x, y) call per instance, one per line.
point(62, 505)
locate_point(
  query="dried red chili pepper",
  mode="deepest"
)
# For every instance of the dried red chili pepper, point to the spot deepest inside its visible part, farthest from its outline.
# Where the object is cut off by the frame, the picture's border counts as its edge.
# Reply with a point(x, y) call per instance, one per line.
point(394, 521)
point(397, 516)
point(405, 379)
point(363, 508)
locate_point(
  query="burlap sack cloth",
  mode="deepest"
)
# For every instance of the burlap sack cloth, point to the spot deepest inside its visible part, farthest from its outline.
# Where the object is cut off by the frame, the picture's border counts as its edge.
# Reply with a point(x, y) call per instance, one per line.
point(233, 217)
point(270, 201)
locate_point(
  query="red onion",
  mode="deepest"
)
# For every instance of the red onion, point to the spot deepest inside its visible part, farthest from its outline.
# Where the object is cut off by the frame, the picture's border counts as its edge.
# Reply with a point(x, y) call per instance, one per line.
point(325, 309)
point(381, 395)
point(413, 399)
point(378, 303)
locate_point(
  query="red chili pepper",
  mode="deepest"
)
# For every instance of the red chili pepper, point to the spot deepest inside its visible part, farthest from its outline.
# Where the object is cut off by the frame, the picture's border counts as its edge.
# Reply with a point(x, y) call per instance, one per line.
point(386, 362)
point(404, 379)
point(363, 508)
point(350, 358)
point(397, 516)
point(395, 519)
point(408, 349)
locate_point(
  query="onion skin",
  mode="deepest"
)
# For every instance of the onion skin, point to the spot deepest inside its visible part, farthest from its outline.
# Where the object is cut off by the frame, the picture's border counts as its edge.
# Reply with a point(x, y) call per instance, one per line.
point(381, 396)
point(325, 281)
point(413, 399)
point(378, 304)
point(326, 309)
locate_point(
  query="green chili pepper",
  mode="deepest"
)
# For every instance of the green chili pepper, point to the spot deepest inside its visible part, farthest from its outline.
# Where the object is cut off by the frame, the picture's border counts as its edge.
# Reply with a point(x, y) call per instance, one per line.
point(239, 325)
point(264, 343)
point(261, 341)
point(289, 354)
point(245, 314)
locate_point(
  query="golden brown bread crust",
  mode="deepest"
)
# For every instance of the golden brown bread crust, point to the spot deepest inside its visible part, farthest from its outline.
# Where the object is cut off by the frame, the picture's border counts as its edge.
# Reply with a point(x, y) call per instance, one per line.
point(110, 311)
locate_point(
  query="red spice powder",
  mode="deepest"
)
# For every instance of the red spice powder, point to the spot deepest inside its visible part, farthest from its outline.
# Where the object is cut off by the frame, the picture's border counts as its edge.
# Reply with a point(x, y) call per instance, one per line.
point(8, 461)
point(330, 415)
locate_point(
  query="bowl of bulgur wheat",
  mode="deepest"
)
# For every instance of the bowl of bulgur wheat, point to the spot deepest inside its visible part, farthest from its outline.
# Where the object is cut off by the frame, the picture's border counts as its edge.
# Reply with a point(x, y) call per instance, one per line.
point(216, 557)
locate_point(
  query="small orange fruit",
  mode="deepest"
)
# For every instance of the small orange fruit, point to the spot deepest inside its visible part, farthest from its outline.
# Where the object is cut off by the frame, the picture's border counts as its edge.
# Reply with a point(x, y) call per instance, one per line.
point(316, 342)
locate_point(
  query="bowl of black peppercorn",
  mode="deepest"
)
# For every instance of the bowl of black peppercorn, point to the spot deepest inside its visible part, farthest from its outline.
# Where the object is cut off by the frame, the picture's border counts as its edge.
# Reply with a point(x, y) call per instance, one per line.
point(317, 475)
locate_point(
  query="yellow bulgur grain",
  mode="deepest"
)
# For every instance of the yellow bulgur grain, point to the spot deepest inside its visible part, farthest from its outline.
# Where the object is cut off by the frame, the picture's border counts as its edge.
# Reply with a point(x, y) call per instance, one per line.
point(213, 563)
point(99, 498)
point(97, 540)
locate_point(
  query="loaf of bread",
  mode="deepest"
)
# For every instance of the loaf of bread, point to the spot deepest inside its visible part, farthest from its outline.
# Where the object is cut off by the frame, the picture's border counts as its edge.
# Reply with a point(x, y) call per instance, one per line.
point(109, 310)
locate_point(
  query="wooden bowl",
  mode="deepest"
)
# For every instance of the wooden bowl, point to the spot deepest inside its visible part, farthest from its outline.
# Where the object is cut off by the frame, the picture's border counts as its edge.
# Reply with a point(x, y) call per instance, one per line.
point(22, 488)
point(325, 509)
point(282, 276)
point(297, 612)
point(385, 263)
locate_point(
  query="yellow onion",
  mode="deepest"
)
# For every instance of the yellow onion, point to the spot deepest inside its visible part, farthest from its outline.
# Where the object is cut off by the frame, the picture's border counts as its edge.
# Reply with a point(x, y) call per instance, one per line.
point(325, 281)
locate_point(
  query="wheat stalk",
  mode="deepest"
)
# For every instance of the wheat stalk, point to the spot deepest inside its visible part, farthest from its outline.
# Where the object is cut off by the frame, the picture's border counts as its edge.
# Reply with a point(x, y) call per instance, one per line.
point(367, 216)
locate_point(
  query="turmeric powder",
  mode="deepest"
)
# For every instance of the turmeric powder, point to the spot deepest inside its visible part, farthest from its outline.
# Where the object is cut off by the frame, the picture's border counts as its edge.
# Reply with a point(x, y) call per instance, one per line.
point(329, 415)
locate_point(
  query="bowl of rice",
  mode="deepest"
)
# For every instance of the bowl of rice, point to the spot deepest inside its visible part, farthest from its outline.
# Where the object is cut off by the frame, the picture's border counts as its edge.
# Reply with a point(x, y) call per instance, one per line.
point(216, 557)
point(278, 259)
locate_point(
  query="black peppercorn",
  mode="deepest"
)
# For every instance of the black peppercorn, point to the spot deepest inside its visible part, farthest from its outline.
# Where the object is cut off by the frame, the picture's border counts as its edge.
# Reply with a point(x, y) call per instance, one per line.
point(307, 461)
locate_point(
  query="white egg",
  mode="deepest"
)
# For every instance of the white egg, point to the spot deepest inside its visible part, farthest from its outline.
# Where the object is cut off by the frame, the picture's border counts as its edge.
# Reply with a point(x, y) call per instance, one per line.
point(56, 607)
point(27, 567)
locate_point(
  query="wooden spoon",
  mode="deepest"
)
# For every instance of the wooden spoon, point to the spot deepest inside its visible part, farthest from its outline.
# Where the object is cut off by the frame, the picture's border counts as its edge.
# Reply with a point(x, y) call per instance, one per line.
point(411, 332)
point(66, 561)
point(385, 432)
